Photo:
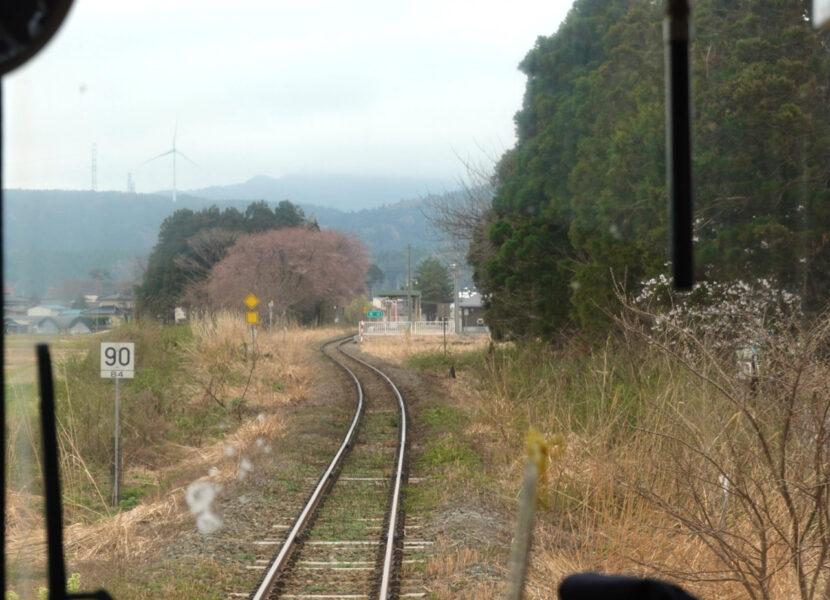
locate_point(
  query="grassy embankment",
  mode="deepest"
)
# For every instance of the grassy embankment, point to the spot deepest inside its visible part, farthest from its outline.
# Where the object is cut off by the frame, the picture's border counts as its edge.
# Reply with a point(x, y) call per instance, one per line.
point(676, 465)
point(194, 395)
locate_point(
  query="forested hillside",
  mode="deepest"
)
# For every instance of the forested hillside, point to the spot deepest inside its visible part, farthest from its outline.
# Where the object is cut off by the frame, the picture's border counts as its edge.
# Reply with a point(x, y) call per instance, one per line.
point(581, 199)
point(342, 192)
point(56, 235)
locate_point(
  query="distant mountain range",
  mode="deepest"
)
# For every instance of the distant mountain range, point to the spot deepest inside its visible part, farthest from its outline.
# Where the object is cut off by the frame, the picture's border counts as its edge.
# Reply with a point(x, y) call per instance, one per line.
point(55, 235)
point(344, 193)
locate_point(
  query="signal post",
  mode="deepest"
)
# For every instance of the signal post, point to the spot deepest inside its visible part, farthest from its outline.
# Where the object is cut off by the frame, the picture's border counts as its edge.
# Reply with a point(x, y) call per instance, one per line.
point(252, 318)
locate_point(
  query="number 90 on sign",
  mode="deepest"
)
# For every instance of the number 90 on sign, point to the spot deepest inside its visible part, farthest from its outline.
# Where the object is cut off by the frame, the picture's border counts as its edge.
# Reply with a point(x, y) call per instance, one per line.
point(117, 360)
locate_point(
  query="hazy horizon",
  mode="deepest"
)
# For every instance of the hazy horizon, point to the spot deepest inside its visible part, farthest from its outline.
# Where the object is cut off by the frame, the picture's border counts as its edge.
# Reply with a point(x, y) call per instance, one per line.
point(325, 190)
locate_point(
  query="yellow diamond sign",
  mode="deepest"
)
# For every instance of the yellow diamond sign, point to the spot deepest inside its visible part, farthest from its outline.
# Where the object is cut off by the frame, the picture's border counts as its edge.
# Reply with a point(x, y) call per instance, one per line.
point(251, 301)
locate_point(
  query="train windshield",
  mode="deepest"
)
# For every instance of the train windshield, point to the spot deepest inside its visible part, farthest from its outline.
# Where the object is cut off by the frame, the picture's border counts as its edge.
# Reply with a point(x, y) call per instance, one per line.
point(476, 197)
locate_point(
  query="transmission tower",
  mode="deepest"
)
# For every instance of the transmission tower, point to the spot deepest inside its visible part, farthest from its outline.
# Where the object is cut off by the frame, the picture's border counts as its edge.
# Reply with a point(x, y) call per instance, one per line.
point(130, 184)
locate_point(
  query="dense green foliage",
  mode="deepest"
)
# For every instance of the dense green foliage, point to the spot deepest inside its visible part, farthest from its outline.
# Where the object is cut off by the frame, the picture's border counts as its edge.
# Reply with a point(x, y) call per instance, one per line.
point(581, 199)
point(167, 273)
point(432, 279)
point(374, 276)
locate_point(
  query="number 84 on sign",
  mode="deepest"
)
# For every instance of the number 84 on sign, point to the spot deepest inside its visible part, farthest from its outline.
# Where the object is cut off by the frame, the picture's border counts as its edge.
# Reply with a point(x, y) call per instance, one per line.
point(118, 360)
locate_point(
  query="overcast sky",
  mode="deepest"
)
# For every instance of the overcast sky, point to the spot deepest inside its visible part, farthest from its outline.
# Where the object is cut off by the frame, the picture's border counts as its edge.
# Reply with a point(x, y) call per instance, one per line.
point(365, 87)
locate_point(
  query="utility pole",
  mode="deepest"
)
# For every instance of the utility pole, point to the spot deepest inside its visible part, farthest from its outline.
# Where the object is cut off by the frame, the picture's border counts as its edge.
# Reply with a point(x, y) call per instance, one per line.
point(409, 282)
point(456, 300)
point(676, 33)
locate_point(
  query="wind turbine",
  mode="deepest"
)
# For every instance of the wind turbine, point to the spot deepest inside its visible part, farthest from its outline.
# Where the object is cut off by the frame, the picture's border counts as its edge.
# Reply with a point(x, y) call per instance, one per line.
point(174, 152)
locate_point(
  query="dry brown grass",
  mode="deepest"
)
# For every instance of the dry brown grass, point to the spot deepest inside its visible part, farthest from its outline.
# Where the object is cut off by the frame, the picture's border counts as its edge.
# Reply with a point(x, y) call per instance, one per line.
point(282, 375)
point(398, 349)
point(223, 358)
point(452, 569)
point(125, 537)
point(129, 536)
point(648, 434)
point(25, 533)
point(622, 498)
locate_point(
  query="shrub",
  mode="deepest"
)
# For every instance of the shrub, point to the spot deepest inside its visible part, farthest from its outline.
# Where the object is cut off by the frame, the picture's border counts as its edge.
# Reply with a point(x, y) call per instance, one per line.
point(725, 316)
point(741, 465)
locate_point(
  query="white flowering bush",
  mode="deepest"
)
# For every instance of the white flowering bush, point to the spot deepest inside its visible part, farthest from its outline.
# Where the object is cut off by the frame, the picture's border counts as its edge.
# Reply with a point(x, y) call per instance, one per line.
point(729, 316)
point(745, 450)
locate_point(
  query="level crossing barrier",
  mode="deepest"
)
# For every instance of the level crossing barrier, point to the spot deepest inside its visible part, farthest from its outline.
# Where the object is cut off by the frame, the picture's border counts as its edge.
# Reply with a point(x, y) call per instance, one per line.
point(393, 328)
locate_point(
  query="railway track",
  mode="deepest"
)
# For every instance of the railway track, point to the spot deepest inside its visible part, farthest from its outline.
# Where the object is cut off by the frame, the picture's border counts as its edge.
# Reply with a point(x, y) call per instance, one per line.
point(349, 539)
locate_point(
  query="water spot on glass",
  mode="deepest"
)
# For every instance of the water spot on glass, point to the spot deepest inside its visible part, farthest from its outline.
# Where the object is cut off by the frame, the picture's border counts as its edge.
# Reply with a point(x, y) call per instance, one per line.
point(614, 231)
point(261, 418)
point(200, 496)
point(267, 449)
point(575, 284)
point(245, 467)
point(213, 471)
point(208, 523)
point(260, 442)
point(230, 450)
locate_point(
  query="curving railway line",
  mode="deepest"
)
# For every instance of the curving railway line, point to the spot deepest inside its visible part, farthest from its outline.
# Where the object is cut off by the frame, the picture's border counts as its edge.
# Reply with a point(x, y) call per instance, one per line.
point(347, 540)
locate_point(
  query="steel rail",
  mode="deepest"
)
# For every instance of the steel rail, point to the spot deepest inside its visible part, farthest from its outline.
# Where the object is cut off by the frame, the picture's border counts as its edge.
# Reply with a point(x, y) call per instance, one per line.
point(389, 552)
point(282, 558)
point(279, 563)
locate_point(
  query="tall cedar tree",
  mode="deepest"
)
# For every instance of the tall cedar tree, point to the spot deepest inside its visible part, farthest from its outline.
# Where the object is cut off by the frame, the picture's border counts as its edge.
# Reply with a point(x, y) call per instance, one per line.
point(433, 280)
point(581, 205)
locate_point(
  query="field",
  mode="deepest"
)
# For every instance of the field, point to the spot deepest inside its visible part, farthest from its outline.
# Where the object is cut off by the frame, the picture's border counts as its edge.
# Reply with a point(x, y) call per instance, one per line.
point(195, 395)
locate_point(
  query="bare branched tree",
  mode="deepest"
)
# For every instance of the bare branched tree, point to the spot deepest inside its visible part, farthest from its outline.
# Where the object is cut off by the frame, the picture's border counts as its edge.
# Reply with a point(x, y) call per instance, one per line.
point(297, 268)
point(746, 457)
point(456, 217)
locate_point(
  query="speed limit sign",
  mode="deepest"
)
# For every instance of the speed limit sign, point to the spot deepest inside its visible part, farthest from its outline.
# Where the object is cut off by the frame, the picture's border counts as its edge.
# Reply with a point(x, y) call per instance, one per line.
point(117, 360)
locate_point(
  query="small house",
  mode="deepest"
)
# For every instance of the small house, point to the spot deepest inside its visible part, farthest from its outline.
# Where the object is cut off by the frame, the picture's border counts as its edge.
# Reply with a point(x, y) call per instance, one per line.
point(14, 304)
point(123, 300)
point(46, 310)
point(472, 312)
point(103, 317)
point(16, 324)
point(70, 324)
